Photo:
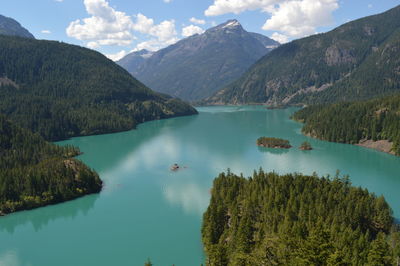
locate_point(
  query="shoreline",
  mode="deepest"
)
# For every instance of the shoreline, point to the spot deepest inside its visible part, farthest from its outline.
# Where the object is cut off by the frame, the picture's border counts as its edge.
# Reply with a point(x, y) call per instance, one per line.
point(379, 145)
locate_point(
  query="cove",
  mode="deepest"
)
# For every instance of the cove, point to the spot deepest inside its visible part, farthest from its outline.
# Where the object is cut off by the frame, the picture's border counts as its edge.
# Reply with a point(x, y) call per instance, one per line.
point(147, 211)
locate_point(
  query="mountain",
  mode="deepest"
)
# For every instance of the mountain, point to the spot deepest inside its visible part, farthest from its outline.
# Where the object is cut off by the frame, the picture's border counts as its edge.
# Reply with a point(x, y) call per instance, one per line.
point(358, 60)
point(61, 91)
point(35, 173)
point(374, 123)
point(9, 26)
point(132, 61)
point(196, 67)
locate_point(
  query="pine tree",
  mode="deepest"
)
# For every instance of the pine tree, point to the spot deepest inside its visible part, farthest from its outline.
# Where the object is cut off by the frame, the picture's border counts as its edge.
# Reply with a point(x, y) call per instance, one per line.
point(379, 253)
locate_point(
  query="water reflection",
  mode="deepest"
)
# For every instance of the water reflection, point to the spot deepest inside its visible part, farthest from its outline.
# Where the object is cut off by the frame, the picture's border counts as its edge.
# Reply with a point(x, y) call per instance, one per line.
point(192, 197)
point(273, 151)
point(9, 258)
point(41, 217)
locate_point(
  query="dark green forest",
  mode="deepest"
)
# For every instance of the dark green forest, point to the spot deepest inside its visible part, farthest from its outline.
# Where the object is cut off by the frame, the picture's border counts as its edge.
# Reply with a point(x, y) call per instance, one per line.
point(61, 90)
point(377, 119)
point(35, 173)
point(273, 143)
point(294, 219)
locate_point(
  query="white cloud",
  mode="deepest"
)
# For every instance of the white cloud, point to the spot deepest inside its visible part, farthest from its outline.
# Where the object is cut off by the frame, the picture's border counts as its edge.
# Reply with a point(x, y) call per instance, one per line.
point(167, 1)
point(117, 56)
point(191, 30)
point(290, 18)
point(46, 32)
point(197, 21)
point(162, 34)
point(221, 7)
point(108, 27)
point(279, 37)
point(301, 18)
point(59, 1)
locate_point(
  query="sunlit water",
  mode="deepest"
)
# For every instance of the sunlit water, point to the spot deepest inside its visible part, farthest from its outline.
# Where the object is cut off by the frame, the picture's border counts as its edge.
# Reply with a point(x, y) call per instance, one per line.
point(147, 211)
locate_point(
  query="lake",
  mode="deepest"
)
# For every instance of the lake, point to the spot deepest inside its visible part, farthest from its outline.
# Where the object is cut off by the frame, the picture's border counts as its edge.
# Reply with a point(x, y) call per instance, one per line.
point(147, 211)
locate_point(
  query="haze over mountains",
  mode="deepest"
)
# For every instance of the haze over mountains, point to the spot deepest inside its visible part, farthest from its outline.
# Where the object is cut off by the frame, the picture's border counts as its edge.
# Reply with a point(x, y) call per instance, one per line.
point(358, 60)
point(9, 26)
point(196, 67)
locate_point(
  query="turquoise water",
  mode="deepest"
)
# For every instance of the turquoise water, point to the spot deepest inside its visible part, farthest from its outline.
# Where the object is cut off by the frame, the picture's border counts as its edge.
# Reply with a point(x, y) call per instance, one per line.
point(147, 211)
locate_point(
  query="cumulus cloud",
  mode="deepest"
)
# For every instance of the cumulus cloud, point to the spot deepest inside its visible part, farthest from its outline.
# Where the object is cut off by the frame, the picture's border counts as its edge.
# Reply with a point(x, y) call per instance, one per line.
point(162, 34)
point(221, 7)
point(117, 56)
point(290, 18)
point(279, 37)
point(46, 32)
point(301, 18)
point(191, 30)
point(197, 21)
point(107, 27)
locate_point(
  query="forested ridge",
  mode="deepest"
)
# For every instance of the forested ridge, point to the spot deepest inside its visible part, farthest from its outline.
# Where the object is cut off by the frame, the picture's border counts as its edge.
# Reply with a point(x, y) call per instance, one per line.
point(61, 90)
point(294, 219)
point(351, 122)
point(358, 60)
point(35, 173)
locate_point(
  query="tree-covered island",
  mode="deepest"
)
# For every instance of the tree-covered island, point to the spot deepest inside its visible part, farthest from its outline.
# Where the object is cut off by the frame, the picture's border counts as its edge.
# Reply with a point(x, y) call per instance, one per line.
point(275, 143)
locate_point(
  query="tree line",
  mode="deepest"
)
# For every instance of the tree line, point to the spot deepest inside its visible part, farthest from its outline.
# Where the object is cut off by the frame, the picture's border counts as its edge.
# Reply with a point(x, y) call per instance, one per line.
point(294, 219)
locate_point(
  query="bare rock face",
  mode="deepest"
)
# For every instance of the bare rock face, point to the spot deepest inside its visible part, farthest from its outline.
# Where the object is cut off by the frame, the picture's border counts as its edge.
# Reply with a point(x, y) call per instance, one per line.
point(337, 56)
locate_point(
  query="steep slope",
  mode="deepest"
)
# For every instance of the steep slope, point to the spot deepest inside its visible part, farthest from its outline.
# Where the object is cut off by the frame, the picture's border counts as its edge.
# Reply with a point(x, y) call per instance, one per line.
point(35, 173)
point(9, 26)
point(61, 91)
point(330, 66)
point(196, 67)
point(356, 122)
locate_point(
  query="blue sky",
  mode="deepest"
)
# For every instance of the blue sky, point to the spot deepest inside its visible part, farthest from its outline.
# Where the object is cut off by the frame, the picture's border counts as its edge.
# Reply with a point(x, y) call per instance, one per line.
point(117, 27)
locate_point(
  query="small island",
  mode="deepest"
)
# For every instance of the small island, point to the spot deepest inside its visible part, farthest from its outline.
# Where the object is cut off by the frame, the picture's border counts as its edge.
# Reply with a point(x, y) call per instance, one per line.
point(306, 146)
point(275, 143)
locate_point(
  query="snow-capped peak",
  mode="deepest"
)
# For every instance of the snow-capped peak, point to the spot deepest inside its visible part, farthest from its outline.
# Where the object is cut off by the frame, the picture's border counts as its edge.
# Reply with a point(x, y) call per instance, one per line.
point(231, 24)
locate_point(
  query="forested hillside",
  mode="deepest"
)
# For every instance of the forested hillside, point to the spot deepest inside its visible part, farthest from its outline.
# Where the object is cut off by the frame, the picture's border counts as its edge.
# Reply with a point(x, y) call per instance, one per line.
point(358, 60)
point(377, 119)
point(35, 173)
point(61, 90)
point(297, 220)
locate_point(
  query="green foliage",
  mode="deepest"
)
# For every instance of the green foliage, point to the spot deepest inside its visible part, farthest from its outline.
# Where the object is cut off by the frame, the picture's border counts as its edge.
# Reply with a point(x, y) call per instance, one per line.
point(293, 219)
point(273, 143)
point(306, 146)
point(379, 253)
point(35, 173)
point(377, 119)
point(148, 263)
point(61, 91)
point(357, 60)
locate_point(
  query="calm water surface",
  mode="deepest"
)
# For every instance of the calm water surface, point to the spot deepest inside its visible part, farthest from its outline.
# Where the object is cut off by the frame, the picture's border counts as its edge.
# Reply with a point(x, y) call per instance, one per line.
point(146, 211)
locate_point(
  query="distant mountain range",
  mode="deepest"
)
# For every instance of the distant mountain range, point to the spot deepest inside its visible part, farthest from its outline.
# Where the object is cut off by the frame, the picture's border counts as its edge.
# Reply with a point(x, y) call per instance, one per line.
point(198, 66)
point(358, 60)
point(9, 26)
